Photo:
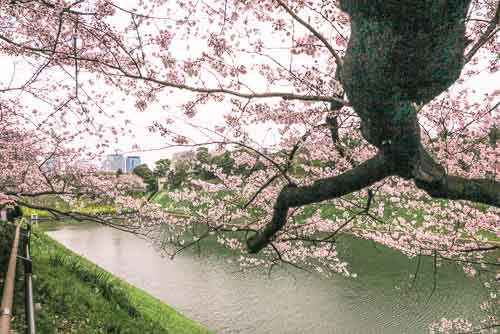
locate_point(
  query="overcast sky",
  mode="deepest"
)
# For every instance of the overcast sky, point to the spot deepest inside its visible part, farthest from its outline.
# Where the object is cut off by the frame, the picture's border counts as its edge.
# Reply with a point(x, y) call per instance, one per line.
point(149, 142)
point(140, 141)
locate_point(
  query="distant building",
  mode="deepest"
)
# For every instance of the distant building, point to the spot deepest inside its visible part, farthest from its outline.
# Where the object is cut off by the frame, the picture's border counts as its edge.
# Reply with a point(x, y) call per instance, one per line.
point(113, 163)
point(132, 162)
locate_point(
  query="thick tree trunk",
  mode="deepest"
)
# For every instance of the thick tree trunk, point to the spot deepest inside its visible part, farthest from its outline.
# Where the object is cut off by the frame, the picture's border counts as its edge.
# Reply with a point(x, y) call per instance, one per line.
point(400, 52)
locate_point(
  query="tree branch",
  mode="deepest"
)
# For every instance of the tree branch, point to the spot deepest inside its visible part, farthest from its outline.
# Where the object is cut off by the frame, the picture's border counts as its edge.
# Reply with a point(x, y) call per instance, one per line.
point(460, 188)
point(163, 83)
point(284, 96)
point(489, 33)
point(80, 216)
point(313, 31)
point(369, 172)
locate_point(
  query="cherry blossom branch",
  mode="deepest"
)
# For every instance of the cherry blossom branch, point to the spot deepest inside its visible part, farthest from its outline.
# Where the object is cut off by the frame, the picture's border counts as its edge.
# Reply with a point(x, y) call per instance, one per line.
point(281, 259)
point(163, 83)
point(490, 32)
point(264, 186)
point(480, 249)
point(284, 96)
point(328, 238)
point(79, 216)
point(44, 193)
point(314, 32)
point(142, 15)
point(68, 8)
point(333, 126)
point(369, 172)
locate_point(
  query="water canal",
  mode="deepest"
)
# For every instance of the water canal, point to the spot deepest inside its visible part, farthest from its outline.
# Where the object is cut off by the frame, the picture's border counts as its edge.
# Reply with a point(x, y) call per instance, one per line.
point(209, 287)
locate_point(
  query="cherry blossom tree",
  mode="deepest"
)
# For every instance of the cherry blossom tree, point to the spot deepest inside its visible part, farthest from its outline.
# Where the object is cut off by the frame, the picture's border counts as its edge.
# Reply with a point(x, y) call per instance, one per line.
point(34, 166)
point(374, 100)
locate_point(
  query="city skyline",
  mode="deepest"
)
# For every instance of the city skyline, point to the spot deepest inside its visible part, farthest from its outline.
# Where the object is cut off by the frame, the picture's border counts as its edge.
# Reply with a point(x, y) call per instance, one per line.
point(117, 161)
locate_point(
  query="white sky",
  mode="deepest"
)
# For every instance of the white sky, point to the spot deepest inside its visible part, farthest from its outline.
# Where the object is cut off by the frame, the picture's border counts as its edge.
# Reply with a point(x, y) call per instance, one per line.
point(148, 142)
point(16, 70)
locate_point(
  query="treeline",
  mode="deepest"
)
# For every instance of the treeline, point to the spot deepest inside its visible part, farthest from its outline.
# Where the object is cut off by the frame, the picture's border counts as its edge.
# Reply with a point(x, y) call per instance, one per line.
point(194, 165)
point(200, 163)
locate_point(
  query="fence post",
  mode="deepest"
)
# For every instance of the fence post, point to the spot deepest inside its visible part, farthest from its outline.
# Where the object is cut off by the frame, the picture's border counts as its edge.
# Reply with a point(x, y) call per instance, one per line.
point(28, 284)
point(34, 218)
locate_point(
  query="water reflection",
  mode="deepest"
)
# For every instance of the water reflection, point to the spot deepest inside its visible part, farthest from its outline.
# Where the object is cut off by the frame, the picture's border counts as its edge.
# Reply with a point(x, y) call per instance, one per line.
point(209, 289)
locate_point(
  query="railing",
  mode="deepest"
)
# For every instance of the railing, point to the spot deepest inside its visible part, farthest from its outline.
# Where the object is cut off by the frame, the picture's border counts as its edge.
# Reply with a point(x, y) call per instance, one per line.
point(8, 290)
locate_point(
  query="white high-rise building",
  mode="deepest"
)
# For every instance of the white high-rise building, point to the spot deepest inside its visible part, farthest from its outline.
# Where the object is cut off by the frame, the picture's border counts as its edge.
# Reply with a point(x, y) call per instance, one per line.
point(132, 162)
point(114, 162)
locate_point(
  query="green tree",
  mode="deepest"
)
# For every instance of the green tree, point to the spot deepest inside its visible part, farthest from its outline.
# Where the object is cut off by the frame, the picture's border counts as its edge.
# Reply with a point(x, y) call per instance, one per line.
point(202, 158)
point(177, 178)
point(144, 172)
point(202, 155)
point(224, 161)
point(162, 167)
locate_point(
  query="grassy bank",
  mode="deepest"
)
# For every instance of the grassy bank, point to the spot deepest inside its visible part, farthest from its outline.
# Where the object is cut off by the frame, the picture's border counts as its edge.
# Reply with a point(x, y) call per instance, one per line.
point(76, 296)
